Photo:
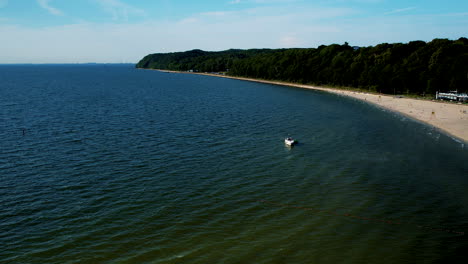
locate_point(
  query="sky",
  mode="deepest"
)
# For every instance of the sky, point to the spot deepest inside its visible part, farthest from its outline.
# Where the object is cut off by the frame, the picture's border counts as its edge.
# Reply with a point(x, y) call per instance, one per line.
point(124, 31)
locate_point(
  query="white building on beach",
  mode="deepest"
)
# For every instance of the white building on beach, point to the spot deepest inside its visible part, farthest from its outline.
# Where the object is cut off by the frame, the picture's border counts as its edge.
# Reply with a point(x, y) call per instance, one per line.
point(453, 96)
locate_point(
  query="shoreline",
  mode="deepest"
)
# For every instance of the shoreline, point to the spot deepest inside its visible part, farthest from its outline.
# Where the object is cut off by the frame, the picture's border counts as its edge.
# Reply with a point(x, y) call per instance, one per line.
point(450, 118)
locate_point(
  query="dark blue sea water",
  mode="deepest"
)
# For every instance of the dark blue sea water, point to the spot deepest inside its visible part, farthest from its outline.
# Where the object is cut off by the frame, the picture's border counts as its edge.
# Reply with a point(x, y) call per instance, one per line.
point(110, 164)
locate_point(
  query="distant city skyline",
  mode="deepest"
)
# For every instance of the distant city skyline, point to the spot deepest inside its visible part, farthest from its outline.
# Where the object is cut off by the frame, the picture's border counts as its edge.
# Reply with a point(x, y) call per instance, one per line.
point(123, 31)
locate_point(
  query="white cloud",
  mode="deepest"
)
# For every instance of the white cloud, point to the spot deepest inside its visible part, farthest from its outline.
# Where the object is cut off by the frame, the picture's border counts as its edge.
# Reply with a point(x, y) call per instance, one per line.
point(265, 27)
point(215, 13)
point(91, 42)
point(120, 10)
point(189, 20)
point(73, 43)
point(52, 10)
point(290, 41)
point(400, 10)
point(274, 15)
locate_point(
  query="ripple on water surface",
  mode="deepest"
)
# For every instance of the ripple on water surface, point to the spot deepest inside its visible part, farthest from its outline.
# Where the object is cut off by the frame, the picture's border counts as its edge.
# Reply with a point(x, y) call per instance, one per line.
point(119, 165)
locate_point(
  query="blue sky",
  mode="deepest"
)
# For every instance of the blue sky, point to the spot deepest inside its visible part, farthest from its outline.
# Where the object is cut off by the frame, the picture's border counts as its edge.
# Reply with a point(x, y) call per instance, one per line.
point(80, 31)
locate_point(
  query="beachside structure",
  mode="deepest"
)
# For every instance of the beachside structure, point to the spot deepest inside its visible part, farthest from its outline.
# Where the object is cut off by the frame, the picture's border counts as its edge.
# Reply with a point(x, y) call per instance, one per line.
point(453, 96)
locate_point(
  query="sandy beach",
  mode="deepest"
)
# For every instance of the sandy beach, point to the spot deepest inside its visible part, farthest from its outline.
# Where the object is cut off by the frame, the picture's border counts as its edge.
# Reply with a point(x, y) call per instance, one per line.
point(451, 118)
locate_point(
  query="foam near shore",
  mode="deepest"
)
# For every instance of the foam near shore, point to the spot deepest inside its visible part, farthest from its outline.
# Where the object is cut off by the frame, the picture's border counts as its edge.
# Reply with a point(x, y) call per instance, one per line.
point(451, 118)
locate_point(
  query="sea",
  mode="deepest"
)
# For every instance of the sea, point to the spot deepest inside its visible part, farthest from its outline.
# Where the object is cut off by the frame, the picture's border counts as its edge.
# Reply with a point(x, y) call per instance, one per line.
point(103, 163)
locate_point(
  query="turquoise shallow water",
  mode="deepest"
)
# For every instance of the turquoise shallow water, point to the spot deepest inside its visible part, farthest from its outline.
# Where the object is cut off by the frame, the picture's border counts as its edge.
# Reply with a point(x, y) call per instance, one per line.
point(109, 164)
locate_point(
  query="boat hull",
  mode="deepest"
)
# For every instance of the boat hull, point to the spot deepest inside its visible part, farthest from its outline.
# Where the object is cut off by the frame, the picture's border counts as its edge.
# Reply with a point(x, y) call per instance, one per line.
point(290, 142)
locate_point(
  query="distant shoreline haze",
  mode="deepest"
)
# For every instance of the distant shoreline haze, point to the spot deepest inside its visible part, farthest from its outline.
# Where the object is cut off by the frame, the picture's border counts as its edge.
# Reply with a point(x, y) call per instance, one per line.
point(416, 67)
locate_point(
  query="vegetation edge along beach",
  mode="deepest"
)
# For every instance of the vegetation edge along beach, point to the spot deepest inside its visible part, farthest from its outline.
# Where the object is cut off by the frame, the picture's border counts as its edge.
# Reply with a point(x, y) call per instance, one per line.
point(400, 77)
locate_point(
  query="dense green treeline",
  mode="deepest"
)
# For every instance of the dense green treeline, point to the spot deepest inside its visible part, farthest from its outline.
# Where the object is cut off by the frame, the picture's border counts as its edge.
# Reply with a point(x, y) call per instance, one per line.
point(198, 60)
point(413, 68)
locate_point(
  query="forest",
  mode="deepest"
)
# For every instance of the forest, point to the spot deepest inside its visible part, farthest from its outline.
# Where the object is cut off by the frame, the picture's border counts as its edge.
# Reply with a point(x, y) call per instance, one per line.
point(417, 67)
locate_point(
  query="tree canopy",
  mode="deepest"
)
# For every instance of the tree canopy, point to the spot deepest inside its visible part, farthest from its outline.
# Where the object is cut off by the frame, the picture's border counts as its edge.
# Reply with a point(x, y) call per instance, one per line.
point(416, 67)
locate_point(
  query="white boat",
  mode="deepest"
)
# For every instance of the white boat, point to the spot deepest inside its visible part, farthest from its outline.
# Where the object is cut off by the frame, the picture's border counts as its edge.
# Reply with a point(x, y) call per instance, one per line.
point(289, 141)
